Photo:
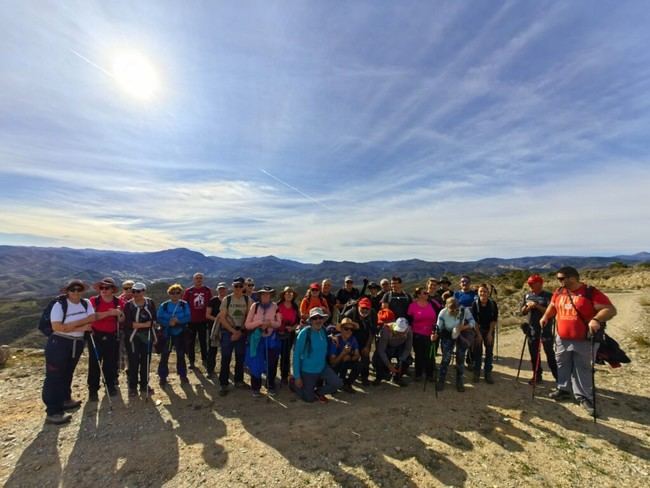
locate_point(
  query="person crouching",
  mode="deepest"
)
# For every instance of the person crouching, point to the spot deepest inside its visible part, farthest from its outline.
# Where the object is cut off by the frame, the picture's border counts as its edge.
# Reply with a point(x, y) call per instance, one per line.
point(395, 342)
point(344, 354)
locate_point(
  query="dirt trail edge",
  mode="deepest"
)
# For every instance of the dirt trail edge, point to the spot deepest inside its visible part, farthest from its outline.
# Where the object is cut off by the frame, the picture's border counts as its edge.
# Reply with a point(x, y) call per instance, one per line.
point(491, 435)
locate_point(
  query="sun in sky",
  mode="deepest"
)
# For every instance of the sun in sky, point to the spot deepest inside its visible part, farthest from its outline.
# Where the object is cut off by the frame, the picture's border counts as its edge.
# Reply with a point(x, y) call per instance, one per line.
point(135, 74)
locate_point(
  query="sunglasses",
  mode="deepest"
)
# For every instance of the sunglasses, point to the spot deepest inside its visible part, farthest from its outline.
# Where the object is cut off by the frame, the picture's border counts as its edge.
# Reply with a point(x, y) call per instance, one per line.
point(317, 318)
point(251, 285)
point(104, 288)
point(349, 281)
point(561, 278)
point(174, 292)
point(348, 329)
point(364, 309)
point(138, 291)
point(128, 288)
point(75, 289)
point(238, 286)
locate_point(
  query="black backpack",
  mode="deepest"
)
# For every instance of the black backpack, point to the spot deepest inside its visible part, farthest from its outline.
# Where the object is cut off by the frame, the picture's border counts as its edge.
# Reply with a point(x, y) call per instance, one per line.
point(45, 324)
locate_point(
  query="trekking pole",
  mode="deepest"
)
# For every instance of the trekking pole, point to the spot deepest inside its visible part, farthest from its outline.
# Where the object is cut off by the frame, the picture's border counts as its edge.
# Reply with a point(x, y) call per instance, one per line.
point(593, 377)
point(101, 370)
point(537, 363)
point(268, 366)
point(521, 358)
point(146, 398)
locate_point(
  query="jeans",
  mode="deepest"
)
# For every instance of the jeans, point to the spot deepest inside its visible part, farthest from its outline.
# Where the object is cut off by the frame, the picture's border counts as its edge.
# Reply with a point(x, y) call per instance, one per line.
point(61, 358)
point(227, 348)
point(448, 346)
point(107, 349)
point(423, 355)
point(173, 342)
point(331, 383)
point(477, 353)
point(194, 329)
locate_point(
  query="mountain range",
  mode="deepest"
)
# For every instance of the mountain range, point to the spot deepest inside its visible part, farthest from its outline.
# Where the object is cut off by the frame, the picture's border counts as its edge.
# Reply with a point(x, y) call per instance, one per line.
point(40, 271)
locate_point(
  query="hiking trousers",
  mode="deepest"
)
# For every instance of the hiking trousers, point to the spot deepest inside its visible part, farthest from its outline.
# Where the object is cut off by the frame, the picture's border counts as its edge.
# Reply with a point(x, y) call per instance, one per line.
point(547, 344)
point(272, 367)
point(574, 367)
point(193, 330)
point(286, 344)
point(107, 349)
point(227, 348)
point(139, 352)
point(172, 342)
point(331, 383)
point(477, 353)
point(382, 371)
point(342, 369)
point(61, 357)
point(423, 356)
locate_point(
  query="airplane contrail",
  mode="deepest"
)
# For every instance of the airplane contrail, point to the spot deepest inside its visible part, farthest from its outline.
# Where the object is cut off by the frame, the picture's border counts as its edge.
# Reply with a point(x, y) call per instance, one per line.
point(295, 189)
point(93, 64)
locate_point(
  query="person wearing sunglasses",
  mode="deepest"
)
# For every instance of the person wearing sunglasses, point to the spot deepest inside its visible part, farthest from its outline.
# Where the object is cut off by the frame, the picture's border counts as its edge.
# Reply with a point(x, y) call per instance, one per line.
point(290, 314)
point(344, 353)
point(140, 316)
point(310, 361)
point(580, 312)
point(465, 296)
point(423, 316)
point(105, 331)
point(174, 315)
point(394, 343)
point(313, 299)
point(232, 317)
point(123, 353)
point(71, 316)
point(365, 317)
point(197, 296)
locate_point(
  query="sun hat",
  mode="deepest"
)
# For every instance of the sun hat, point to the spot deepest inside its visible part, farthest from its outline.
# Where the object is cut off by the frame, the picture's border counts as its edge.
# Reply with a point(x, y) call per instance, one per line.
point(105, 282)
point(318, 312)
point(347, 321)
point(74, 282)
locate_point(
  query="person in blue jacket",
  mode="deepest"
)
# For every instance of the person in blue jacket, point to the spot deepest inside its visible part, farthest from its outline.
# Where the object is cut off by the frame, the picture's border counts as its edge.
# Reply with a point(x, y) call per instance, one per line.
point(173, 315)
point(310, 361)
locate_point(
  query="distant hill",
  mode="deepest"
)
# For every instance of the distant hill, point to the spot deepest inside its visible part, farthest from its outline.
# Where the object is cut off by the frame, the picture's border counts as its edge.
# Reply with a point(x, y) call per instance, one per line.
point(40, 271)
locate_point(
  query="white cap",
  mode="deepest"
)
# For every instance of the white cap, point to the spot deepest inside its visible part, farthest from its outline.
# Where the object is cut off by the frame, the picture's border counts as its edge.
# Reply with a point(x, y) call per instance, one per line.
point(401, 325)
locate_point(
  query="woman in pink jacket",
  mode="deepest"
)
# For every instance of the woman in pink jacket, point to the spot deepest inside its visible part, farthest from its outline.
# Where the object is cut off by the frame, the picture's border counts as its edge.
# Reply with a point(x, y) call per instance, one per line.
point(263, 343)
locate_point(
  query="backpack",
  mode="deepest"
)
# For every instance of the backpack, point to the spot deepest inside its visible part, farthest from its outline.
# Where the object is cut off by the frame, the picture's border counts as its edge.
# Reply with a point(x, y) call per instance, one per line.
point(166, 305)
point(45, 324)
point(476, 308)
point(349, 305)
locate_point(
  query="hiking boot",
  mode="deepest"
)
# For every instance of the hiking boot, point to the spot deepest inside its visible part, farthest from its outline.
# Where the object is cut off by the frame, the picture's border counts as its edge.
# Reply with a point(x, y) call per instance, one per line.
point(148, 390)
point(191, 367)
point(399, 382)
point(163, 382)
point(460, 387)
point(377, 381)
point(71, 404)
point(347, 388)
point(292, 384)
point(58, 418)
point(476, 377)
point(272, 392)
point(256, 394)
point(588, 407)
point(223, 390)
point(284, 382)
point(321, 398)
point(488, 378)
point(560, 395)
point(240, 384)
point(535, 381)
point(92, 397)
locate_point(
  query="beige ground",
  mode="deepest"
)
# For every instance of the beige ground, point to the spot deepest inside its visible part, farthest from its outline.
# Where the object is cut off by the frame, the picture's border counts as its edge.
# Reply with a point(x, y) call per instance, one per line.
point(489, 436)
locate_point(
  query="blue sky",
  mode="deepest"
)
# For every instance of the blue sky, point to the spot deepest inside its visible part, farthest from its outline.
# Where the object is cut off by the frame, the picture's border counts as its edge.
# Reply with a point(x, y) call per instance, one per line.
point(329, 130)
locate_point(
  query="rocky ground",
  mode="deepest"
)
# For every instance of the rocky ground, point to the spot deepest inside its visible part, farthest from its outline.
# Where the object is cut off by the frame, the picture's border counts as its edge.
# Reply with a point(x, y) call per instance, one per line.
point(491, 435)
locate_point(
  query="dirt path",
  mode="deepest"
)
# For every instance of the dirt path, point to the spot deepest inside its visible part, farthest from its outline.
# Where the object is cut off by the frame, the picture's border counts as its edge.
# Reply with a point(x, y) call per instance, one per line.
point(491, 435)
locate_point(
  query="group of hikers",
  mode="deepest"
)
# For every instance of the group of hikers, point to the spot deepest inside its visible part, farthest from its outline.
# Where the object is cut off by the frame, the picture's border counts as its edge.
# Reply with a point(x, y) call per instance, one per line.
point(322, 342)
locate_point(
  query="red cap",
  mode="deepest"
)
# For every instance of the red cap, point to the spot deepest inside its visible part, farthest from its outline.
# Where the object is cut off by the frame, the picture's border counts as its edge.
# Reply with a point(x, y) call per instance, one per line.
point(365, 303)
point(314, 286)
point(535, 279)
point(385, 316)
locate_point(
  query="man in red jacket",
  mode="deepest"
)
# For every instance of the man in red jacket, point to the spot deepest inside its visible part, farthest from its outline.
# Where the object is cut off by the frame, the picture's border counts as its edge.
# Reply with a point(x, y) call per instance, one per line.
point(198, 296)
point(580, 312)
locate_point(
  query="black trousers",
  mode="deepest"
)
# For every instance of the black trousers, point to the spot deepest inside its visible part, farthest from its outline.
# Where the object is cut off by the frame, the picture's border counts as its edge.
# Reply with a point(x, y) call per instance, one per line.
point(423, 355)
point(107, 350)
point(547, 344)
point(193, 330)
point(342, 369)
point(139, 352)
point(286, 344)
